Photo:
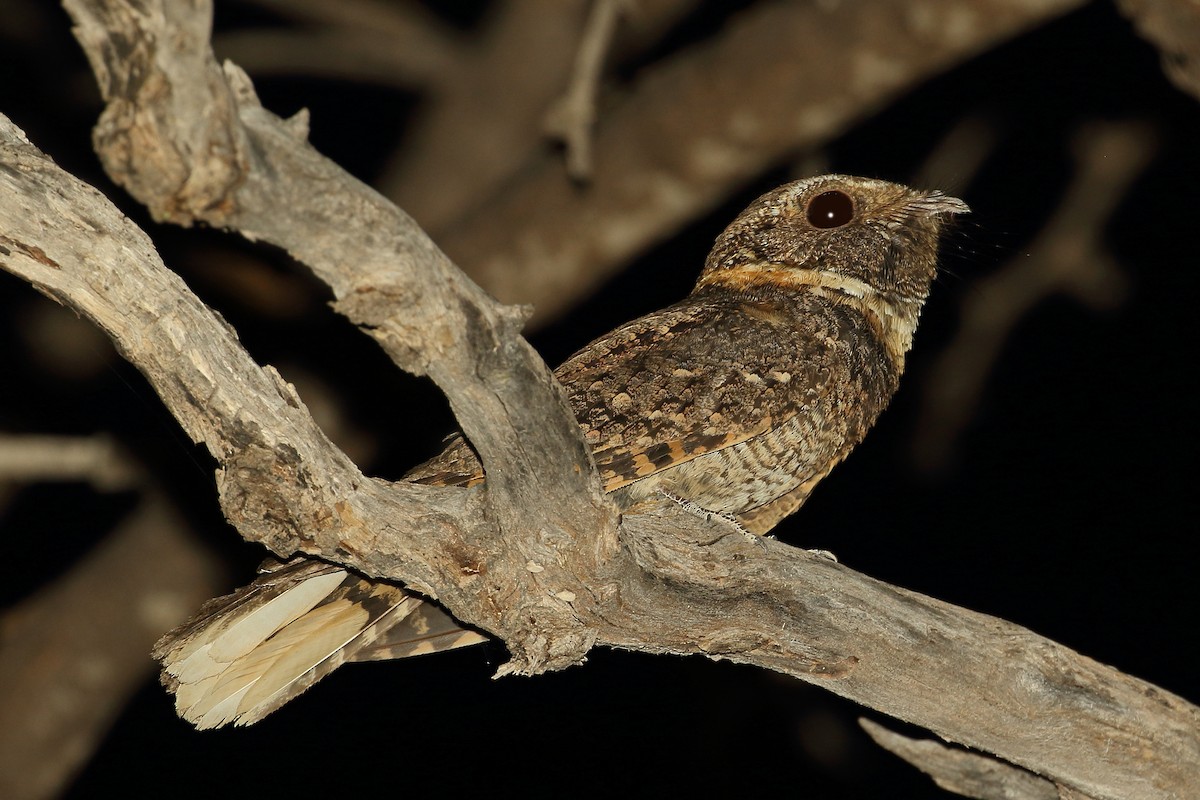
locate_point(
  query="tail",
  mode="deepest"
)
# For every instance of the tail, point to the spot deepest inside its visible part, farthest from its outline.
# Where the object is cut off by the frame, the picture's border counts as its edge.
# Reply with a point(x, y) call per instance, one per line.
point(246, 654)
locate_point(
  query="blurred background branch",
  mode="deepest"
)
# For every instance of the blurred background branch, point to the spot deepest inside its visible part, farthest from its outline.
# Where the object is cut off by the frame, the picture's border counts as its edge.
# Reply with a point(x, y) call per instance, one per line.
point(1068, 257)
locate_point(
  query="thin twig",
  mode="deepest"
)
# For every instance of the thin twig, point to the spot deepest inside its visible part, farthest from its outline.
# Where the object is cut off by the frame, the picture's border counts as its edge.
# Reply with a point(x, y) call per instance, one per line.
point(95, 459)
point(572, 116)
point(478, 128)
point(483, 126)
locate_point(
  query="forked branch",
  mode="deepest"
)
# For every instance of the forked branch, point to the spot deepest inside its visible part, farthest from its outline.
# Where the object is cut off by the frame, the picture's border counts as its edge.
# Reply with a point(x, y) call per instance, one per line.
point(535, 556)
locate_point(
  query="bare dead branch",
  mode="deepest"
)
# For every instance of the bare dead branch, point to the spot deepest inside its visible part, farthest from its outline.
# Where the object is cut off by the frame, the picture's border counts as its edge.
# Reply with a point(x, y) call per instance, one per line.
point(391, 281)
point(783, 77)
point(72, 655)
point(962, 772)
point(571, 117)
point(373, 257)
point(1067, 257)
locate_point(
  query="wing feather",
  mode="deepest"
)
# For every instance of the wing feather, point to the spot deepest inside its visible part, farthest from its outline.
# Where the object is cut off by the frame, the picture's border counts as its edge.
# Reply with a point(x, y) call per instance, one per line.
point(429, 629)
point(622, 465)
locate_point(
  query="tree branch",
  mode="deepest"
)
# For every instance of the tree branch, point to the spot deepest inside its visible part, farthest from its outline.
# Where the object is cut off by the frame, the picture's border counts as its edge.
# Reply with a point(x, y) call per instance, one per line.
point(1173, 26)
point(572, 116)
point(963, 772)
point(386, 275)
point(534, 555)
point(96, 459)
point(675, 585)
point(484, 125)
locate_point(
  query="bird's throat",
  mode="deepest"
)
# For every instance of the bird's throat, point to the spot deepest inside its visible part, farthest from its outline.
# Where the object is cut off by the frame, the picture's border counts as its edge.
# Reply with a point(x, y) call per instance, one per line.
point(895, 316)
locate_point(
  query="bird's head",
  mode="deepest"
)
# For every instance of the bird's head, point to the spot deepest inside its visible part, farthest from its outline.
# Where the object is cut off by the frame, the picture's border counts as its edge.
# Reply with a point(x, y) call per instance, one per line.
point(869, 232)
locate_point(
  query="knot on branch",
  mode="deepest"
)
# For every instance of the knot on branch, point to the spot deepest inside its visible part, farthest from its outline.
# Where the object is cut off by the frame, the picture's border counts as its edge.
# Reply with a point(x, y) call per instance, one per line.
point(178, 184)
point(549, 638)
point(170, 133)
point(272, 492)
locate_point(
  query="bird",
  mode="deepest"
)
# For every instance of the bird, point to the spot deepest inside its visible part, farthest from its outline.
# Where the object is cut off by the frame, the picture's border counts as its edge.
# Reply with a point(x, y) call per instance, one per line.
point(734, 402)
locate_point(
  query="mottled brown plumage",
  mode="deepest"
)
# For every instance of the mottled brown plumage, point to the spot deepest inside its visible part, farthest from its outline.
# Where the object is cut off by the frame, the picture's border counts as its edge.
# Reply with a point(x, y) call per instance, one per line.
point(734, 402)
point(742, 396)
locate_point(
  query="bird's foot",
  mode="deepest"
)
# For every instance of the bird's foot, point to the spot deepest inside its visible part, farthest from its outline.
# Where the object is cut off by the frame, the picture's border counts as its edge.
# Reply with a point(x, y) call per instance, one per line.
point(695, 508)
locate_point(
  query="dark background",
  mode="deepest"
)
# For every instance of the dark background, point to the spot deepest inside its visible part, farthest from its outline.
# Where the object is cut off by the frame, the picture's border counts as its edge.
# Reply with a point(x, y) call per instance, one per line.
point(1068, 505)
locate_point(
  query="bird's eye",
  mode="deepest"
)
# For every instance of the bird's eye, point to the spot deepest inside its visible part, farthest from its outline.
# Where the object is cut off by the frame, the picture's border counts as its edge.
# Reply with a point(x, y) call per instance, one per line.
point(831, 209)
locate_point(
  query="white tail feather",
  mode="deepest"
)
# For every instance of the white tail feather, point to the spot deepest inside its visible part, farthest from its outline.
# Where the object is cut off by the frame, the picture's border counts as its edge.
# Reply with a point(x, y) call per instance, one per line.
point(241, 635)
point(248, 653)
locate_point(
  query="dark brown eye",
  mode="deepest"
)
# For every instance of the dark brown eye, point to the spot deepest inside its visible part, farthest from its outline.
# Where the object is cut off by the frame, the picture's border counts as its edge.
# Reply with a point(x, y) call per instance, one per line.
point(831, 209)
